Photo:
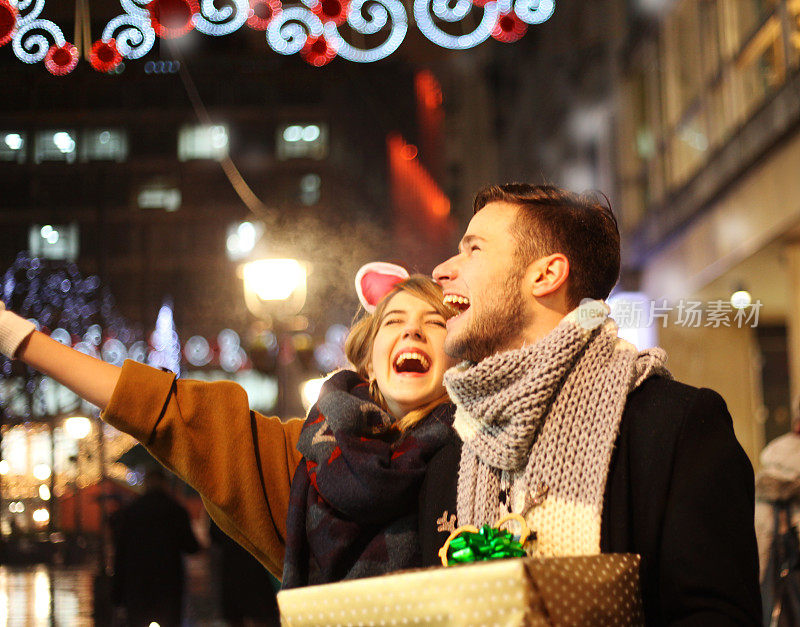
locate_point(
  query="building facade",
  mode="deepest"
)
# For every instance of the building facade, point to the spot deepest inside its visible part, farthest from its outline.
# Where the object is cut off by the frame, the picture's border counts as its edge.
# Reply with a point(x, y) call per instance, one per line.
point(708, 154)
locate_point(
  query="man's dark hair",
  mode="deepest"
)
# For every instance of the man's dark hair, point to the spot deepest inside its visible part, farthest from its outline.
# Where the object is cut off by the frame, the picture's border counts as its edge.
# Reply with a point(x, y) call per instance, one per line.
point(553, 220)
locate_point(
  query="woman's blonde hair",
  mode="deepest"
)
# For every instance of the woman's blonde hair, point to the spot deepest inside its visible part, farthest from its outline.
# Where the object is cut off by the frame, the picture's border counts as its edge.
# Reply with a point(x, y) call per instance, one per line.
point(358, 346)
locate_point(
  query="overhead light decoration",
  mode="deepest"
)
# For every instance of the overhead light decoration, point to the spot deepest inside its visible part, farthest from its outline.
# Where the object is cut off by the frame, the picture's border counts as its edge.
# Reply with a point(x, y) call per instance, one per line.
point(509, 28)
point(318, 51)
point(261, 13)
point(62, 59)
point(104, 56)
point(172, 18)
point(8, 21)
point(317, 30)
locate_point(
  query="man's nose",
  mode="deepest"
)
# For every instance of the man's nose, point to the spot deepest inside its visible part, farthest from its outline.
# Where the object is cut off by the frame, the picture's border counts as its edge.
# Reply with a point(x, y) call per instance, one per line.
point(445, 271)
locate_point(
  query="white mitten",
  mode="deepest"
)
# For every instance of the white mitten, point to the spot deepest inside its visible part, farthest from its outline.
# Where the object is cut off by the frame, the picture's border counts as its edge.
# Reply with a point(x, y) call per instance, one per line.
point(13, 329)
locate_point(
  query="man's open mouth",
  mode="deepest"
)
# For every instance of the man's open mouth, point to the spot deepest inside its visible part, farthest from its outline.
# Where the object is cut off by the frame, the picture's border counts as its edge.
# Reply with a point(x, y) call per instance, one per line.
point(459, 303)
point(412, 361)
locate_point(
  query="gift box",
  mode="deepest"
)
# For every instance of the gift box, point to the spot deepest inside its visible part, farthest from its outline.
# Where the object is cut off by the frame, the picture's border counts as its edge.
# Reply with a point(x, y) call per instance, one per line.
point(588, 590)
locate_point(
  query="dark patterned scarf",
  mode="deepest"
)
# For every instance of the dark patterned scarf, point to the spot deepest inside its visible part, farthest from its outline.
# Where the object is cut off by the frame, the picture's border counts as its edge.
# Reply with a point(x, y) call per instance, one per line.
point(353, 506)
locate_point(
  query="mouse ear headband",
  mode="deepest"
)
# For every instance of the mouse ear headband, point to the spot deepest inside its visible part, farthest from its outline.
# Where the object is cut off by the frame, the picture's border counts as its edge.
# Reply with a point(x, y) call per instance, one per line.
point(375, 280)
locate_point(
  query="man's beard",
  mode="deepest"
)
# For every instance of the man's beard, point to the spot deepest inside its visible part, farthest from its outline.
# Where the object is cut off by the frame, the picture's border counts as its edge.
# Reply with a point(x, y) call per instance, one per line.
point(494, 328)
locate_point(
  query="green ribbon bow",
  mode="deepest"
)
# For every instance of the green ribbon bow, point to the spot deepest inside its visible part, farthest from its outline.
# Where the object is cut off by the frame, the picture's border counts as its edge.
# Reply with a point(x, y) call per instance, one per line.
point(488, 544)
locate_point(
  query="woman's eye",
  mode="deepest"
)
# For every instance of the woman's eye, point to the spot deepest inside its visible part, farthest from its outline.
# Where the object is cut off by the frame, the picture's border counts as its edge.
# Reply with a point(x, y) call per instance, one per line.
point(440, 323)
point(392, 321)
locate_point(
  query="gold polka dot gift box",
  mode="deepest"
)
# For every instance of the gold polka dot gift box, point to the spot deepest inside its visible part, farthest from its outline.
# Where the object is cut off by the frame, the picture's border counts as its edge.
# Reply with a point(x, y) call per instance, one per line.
point(591, 590)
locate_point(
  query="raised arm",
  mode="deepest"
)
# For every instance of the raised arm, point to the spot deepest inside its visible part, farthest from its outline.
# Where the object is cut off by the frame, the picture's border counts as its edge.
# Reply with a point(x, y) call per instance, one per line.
point(240, 462)
point(90, 378)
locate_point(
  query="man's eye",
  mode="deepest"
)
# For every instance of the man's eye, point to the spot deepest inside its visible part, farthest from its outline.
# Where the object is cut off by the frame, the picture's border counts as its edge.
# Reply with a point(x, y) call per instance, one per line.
point(474, 247)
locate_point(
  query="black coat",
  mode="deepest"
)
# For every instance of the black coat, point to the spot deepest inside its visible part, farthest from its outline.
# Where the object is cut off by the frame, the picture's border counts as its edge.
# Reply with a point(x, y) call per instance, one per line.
point(679, 492)
point(150, 536)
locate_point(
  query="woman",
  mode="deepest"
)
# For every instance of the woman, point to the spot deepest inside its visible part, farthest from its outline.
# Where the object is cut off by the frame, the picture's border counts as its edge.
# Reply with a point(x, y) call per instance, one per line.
point(353, 503)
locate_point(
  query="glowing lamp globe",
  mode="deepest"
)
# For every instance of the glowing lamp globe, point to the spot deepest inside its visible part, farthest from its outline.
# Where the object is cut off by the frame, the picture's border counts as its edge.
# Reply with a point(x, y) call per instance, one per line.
point(309, 391)
point(78, 427)
point(274, 286)
point(41, 471)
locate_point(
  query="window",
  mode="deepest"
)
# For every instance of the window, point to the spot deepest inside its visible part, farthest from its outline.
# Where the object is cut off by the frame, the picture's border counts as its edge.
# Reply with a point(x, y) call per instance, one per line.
point(12, 147)
point(55, 145)
point(302, 141)
point(54, 242)
point(203, 142)
point(687, 148)
point(759, 69)
point(104, 145)
point(159, 197)
point(310, 186)
point(793, 9)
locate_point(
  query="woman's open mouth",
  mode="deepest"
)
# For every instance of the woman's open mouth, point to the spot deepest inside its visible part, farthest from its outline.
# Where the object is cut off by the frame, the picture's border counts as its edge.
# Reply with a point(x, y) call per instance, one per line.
point(411, 362)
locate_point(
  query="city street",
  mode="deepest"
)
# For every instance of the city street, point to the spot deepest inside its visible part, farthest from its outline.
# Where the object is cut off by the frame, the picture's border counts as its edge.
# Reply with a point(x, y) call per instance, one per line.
point(38, 596)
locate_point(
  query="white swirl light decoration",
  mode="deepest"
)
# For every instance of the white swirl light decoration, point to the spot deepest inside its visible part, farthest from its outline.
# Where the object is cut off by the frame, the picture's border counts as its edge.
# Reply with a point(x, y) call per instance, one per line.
point(287, 33)
point(458, 12)
point(139, 9)
point(33, 48)
point(137, 37)
point(534, 11)
point(26, 12)
point(378, 12)
point(224, 21)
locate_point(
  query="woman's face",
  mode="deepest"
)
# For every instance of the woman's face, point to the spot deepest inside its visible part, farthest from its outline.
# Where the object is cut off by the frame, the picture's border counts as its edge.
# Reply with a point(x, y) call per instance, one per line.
point(408, 359)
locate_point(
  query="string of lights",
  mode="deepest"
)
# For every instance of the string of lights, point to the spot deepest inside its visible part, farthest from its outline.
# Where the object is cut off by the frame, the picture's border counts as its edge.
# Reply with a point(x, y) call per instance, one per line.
point(317, 30)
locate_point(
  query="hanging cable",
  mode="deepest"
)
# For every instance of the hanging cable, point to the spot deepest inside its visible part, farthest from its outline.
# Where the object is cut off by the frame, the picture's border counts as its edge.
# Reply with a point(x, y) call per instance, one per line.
point(240, 186)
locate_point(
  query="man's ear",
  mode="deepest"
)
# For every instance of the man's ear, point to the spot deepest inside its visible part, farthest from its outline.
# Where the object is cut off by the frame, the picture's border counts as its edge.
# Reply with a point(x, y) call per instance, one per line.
point(547, 274)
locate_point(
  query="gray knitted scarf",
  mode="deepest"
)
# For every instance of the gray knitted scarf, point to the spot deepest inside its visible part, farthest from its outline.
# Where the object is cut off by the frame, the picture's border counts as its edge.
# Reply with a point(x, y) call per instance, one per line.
point(539, 425)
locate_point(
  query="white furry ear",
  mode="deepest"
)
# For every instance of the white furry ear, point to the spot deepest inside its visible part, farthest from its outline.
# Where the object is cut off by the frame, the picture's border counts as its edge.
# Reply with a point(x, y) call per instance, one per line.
point(375, 280)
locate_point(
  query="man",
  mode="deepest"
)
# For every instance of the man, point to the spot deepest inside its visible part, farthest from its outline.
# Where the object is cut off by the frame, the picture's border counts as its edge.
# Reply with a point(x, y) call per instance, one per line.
point(150, 536)
point(570, 426)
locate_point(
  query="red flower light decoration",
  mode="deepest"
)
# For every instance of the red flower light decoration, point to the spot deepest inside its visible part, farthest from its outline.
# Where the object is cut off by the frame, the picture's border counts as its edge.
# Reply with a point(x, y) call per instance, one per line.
point(332, 10)
point(61, 60)
point(104, 55)
point(509, 28)
point(262, 12)
point(8, 21)
point(317, 51)
point(172, 18)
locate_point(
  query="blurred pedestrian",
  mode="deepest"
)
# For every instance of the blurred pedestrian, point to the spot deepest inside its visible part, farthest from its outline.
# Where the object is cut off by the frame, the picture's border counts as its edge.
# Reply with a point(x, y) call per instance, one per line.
point(777, 519)
point(150, 537)
point(246, 589)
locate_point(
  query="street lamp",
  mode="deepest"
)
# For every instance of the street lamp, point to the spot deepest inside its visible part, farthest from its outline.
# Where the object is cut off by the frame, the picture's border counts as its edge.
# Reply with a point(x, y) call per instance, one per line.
point(274, 286)
point(77, 427)
point(275, 290)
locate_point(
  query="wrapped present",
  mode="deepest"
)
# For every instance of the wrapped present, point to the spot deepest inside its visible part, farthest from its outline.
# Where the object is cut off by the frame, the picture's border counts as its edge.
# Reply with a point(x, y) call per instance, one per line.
point(588, 590)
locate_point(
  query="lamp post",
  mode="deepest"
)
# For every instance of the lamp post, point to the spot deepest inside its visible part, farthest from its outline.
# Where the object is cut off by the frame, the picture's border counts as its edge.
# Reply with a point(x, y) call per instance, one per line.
point(275, 289)
point(78, 427)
